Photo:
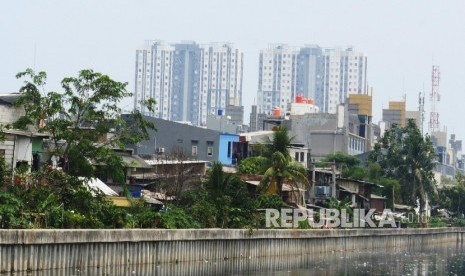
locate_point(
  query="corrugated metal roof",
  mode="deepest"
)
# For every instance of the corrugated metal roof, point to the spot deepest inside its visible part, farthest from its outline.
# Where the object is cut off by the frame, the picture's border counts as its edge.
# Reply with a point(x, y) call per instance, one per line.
point(286, 187)
point(133, 161)
point(95, 184)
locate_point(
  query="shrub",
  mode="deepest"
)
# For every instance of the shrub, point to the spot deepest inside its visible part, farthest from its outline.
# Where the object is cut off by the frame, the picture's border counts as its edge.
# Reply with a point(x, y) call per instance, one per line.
point(253, 165)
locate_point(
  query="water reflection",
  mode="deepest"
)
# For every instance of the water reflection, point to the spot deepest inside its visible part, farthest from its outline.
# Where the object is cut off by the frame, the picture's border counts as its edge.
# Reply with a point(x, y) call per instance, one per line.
point(447, 259)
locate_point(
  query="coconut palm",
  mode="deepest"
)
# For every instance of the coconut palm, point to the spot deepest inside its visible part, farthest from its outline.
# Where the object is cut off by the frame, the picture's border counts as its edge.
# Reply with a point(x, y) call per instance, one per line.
point(283, 171)
point(279, 143)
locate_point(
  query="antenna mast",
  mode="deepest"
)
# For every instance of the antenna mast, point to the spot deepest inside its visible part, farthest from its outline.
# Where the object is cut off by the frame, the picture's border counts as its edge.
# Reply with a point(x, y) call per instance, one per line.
point(421, 109)
point(435, 98)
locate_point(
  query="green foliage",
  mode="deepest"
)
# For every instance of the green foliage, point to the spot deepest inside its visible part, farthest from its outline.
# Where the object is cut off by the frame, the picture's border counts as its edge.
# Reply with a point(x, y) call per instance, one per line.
point(269, 201)
point(222, 202)
point(279, 143)
point(10, 209)
point(340, 159)
point(283, 171)
point(5, 173)
point(437, 222)
point(341, 205)
point(404, 154)
point(53, 199)
point(79, 117)
point(418, 221)
point(253, 165)
point(453, 198)
point(305, 224)
point(458, 222)
point(349, 165)
point(176, 218)
point(358, 173)
point(390, 190)
point(374, 171)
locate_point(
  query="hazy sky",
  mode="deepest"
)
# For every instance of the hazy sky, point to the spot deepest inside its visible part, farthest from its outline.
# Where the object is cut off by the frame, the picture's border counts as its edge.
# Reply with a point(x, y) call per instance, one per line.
point(402, 39)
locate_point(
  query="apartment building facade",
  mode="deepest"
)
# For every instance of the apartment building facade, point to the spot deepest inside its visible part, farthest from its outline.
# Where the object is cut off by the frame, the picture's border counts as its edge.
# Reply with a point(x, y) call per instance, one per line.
point(189, 81)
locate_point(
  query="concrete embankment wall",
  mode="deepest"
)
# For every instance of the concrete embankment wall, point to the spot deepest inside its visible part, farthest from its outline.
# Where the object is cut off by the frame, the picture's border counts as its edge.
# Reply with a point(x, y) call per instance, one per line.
point(22, 250)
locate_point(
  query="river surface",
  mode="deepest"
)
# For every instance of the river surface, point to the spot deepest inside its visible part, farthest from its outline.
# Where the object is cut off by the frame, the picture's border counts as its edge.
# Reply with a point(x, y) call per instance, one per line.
point(445, 259)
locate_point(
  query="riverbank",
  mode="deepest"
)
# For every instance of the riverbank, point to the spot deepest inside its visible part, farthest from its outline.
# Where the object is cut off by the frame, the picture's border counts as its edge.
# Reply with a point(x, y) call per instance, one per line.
point(22, 250)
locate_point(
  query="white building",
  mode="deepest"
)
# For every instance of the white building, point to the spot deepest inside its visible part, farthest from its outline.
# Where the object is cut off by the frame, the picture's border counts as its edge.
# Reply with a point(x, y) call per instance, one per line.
point(277, 77)
point(324, 74)
point(154, 74)
point(188, 81)
point(345, 73)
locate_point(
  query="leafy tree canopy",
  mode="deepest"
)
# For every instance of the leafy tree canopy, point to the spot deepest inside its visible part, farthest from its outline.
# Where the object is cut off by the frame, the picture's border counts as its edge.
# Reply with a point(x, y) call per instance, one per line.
point(405, 155)
point(83, 120)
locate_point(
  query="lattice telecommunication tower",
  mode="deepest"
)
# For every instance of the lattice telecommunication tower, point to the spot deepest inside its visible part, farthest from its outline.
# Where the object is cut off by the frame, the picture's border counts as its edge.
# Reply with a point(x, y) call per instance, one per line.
point(435, 98)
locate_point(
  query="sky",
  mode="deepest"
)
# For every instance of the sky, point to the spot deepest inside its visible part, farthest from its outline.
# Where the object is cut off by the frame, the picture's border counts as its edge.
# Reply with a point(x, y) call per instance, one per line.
point(401, 38)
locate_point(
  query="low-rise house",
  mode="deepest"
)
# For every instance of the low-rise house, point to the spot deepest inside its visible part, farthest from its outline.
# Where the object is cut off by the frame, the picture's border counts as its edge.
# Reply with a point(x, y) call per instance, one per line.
point(251, 144)
point(378, 203)
point(9, 113)
point(22, 148)
point(291, 195)
point(193, 143)
point(327, 183)
point(18, 146)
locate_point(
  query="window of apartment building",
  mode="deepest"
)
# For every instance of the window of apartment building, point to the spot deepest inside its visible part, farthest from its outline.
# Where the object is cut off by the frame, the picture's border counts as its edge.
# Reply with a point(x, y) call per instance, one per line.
point(194, 150)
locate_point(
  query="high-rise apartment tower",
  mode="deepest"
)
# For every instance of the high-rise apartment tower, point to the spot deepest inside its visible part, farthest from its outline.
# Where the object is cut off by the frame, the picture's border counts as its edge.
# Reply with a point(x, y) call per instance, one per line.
point(325, 74)
point(188, 80)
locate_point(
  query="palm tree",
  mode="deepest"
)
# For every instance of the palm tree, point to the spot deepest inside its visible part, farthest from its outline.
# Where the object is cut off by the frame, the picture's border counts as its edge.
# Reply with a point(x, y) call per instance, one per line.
point(282, 171)
point(281, 168)
point(217, 181)
point(279, 143)
point(217, 184)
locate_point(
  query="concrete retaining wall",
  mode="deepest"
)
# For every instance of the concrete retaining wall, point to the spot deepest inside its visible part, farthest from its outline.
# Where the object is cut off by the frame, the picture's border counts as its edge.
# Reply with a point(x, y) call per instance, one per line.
point(22, 250)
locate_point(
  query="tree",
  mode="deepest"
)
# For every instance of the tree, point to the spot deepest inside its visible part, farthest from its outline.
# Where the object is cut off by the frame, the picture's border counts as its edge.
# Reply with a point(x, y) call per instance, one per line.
point(405, 155)
point(253, 165)
point(85, 127)
point(83, 120)
point(280, 142)
point(282, 169)
point(349, 165)
point(223, 201)
point(453, 197)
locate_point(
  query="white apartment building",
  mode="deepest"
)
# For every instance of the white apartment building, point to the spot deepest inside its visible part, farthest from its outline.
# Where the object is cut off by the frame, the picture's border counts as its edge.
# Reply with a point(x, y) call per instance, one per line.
point(221, 78)
point(277, 77)
point(188, 81)
point(154, 74)
point(324, 74)
point(345, 73)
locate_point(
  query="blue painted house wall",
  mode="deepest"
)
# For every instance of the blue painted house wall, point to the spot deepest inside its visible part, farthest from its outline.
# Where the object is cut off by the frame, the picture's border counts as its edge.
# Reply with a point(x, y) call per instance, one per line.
point(225, 151)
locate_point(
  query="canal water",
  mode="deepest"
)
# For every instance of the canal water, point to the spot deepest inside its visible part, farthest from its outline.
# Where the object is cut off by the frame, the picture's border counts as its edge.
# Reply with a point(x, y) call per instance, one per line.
point(445, 259)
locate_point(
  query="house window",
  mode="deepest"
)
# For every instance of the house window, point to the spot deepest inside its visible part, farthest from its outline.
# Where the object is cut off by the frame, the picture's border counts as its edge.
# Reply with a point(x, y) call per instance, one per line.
point(194, 150)
point(302, 156)
point(209, 148)
point(229, 149)
point(296, 157)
